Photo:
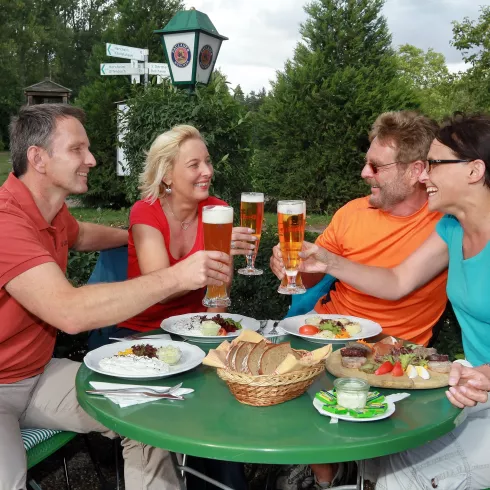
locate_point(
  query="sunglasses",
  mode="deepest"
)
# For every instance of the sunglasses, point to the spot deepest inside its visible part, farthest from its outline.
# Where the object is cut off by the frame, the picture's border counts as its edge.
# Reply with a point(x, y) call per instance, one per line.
point(430, 163)
point(375, 168)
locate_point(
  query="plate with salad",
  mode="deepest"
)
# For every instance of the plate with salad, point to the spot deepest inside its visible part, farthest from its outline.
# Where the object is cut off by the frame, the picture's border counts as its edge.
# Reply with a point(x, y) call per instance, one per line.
point(208, 327)
point(330, 329)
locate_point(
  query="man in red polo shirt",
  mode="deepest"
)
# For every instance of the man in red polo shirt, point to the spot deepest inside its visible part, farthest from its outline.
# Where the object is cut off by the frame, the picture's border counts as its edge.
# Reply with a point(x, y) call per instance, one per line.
point(51, 160)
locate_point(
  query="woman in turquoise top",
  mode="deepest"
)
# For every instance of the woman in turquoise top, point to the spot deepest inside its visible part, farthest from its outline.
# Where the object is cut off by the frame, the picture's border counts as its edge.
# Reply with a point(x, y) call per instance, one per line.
point(457, 178)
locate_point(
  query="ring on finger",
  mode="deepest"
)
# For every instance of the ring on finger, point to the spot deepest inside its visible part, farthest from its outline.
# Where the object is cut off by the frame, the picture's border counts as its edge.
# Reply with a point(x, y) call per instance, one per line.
point(220, 266)
point(233, 244)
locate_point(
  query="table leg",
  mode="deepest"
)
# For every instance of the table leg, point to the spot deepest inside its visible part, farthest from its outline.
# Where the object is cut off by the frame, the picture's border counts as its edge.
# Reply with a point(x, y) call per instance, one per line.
point(187, 469)
point(360, 479)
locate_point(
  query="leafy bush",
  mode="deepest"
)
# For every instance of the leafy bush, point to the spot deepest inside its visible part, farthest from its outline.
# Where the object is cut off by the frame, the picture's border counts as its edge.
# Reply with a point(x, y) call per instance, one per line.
point(221, 119)
point(80, 266)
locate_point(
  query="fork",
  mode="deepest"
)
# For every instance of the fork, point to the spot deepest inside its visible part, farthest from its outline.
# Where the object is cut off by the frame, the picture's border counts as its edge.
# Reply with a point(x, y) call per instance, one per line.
point(263, 325)
point(168, 391)
point(136, 393)
point(274, 331)
point(137, 337)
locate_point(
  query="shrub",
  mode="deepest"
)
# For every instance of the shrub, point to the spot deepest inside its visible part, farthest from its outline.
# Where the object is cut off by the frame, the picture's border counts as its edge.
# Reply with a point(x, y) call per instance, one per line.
point(221, 119)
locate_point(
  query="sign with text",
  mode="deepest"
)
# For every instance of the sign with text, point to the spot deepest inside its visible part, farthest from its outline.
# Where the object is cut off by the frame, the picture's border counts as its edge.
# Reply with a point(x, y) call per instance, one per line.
point(158, 69)
point(121, 69)
point(128, 52)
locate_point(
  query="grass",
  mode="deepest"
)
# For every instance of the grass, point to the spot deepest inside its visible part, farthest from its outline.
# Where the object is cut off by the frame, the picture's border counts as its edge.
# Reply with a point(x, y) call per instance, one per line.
point(5, 166)
point(314, 222)
point(109, 217)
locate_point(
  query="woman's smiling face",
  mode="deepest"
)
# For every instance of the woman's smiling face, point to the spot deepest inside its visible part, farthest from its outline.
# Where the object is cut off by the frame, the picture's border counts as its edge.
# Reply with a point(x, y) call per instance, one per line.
point(192, 171)
point(445, 182)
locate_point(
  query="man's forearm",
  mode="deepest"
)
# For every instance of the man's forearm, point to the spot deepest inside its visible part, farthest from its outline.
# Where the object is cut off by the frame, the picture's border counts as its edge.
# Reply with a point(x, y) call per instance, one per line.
point(93, 237)
point(100, 305)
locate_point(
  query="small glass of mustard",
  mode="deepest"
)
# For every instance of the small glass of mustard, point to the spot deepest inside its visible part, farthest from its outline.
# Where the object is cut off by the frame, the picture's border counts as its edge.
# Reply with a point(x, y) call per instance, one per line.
point(351, 392)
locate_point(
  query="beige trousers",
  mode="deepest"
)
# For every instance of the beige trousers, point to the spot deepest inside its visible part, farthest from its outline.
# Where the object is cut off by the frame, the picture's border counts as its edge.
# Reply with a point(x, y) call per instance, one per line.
point(49, 401)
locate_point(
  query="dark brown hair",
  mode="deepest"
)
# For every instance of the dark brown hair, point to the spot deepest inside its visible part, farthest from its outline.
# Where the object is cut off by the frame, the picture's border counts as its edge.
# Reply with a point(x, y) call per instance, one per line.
point(34, 126)
point(468, 136)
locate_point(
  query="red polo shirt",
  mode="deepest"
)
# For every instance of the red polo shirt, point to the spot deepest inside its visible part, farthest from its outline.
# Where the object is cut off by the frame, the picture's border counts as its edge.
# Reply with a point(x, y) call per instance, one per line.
point(27, 240)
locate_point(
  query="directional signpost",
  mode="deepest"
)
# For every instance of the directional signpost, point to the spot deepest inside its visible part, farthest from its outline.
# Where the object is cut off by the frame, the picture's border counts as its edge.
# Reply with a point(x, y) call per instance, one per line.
point(134, 69)
point(127, 52)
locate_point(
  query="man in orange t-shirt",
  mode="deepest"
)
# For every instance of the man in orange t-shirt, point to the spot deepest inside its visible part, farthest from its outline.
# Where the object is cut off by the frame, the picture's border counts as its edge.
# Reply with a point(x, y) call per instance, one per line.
point(384, 228)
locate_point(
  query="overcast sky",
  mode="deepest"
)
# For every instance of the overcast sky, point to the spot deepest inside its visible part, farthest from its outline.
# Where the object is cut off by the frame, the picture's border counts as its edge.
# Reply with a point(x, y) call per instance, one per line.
point(263, 33)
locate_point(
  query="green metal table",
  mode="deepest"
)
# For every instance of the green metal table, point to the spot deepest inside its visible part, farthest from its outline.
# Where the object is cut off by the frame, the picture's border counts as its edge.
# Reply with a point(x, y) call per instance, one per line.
point(211, 423)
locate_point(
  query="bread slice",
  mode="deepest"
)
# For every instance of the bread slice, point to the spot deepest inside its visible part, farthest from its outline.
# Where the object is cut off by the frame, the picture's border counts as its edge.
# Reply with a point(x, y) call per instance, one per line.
point(254, 356)
point(230, 357)
point(241, 355)
point(273, 356)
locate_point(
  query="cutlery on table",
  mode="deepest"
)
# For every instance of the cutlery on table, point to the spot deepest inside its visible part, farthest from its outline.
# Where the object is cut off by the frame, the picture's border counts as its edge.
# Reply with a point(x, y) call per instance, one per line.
point(263, 325)
point(139, 389)
point(151, 394)
point(274, 331)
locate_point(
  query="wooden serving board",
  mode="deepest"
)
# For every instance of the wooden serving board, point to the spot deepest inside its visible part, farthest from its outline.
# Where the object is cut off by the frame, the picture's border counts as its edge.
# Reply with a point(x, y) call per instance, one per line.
point(437, 380)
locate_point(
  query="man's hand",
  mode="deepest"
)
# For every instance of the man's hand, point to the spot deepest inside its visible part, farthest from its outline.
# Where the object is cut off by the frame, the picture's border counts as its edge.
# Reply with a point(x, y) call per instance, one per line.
point(276, 263)
point(204, 269)
point(242, 241)
point(468, 386)
point(315, 259)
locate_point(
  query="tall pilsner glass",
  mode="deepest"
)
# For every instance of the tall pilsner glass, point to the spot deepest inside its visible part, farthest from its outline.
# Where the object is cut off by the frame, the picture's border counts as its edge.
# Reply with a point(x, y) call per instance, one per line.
point(217, 224)
point(251, 216)
point(291, 220)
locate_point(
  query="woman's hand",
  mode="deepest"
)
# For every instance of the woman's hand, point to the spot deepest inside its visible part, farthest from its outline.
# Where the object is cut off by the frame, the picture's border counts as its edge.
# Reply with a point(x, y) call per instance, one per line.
point(242, 241)
point(315, 259)
point(276, 263)
point(468, 386)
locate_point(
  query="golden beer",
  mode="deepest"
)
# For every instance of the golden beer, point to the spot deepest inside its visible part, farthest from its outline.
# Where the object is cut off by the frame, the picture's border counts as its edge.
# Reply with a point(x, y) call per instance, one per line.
point(252, 216)
point(217, 224)
point(291, 221)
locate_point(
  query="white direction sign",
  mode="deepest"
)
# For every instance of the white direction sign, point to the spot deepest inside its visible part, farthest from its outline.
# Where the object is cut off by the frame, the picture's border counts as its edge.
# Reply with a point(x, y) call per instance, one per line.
point(127, 52)
point(121, 69)
point(158, 69)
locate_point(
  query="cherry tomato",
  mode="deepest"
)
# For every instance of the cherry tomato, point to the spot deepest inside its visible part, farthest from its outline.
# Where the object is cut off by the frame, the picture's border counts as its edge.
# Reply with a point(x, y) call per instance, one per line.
point(308, 330)
point(397, 369)
point(222, 332)
point(386, 367)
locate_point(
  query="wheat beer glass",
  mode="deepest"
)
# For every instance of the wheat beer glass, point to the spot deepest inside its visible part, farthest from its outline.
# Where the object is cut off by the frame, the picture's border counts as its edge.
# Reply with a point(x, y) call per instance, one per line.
point(217, 223)
point(291, 219)
point(251, 216)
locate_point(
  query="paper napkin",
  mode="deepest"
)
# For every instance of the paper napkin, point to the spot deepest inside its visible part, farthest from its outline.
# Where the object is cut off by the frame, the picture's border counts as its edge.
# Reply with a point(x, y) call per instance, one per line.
point(127, 401)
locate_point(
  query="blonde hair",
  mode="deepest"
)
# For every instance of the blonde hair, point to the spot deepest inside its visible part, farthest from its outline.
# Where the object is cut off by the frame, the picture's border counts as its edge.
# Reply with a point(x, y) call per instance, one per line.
point(160, 158)
point(411, 132)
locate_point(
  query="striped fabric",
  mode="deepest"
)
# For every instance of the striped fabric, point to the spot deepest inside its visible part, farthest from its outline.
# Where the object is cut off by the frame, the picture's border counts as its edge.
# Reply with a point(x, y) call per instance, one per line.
point(33, 437)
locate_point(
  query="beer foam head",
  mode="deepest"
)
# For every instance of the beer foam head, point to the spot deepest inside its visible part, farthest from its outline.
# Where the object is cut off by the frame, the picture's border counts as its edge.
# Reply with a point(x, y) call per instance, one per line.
point(252, 197)
point(217, 215)
point(291, 207)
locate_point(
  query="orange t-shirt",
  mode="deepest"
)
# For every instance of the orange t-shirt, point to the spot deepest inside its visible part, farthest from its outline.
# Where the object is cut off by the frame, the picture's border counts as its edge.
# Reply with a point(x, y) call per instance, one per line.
point(27, 342)
point(367, 235)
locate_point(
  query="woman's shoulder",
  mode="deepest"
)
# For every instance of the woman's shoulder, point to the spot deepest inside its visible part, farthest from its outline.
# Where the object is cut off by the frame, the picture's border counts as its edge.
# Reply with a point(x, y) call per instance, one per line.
point(143, 209)
point(446, 227)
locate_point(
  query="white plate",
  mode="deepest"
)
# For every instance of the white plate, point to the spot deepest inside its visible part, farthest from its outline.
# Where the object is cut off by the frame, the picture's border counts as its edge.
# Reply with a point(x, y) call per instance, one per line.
point(368, 328)
point(169, 325)
point(192, 356)
point(391, 409)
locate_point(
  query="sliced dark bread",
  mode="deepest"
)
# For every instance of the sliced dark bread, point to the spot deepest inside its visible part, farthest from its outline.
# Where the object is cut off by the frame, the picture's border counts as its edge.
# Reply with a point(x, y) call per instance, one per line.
point(241, 354)
point(254, 357)
point(273, 356)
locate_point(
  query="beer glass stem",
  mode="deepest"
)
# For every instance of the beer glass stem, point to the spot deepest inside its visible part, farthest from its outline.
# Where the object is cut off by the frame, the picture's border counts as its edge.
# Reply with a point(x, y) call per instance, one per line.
point(291, 277)
point(250, 261)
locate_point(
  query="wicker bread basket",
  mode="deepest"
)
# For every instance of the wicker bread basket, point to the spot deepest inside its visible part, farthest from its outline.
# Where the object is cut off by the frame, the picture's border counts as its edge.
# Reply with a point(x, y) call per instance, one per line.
point(266, 390)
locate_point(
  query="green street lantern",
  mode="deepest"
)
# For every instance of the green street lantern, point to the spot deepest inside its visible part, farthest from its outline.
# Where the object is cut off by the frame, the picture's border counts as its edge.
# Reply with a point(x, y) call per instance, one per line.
point(191, 44)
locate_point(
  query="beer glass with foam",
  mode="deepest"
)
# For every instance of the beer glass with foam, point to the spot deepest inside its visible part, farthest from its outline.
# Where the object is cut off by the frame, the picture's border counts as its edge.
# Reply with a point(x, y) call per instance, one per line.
point(291, 220)
point(252, 216)
point(217, 224)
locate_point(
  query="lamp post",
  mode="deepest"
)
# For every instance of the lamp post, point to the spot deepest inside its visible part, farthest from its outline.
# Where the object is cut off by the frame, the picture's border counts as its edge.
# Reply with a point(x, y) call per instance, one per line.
point(191, 44)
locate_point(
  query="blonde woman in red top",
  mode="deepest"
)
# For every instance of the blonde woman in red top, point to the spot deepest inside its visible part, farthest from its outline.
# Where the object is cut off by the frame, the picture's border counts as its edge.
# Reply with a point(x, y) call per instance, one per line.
point(166, 224)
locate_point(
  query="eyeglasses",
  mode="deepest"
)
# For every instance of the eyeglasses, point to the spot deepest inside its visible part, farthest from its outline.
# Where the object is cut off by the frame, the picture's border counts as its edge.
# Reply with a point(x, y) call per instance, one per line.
point(375, 168)
point(429, 163)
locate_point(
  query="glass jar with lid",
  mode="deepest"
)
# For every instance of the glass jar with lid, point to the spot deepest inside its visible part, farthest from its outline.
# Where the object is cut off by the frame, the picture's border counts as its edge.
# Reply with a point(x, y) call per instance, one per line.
point(351, 392)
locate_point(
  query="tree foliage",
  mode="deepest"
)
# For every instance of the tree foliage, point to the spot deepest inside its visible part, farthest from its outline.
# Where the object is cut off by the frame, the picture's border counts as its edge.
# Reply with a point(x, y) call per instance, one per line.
point(222, 120)
point(314, 123)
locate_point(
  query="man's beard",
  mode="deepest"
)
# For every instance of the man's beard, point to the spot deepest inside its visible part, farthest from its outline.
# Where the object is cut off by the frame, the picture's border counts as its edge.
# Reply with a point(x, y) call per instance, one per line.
point(389, 195)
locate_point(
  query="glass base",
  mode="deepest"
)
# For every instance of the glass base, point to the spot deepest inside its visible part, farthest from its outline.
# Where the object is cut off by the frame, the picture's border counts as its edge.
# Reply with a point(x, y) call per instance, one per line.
point(291, 290)
point(250, 271)
point(216, 302)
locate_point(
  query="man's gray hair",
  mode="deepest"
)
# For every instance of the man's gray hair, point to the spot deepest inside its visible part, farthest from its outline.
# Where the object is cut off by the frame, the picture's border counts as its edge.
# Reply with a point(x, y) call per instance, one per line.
point(35, 126)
